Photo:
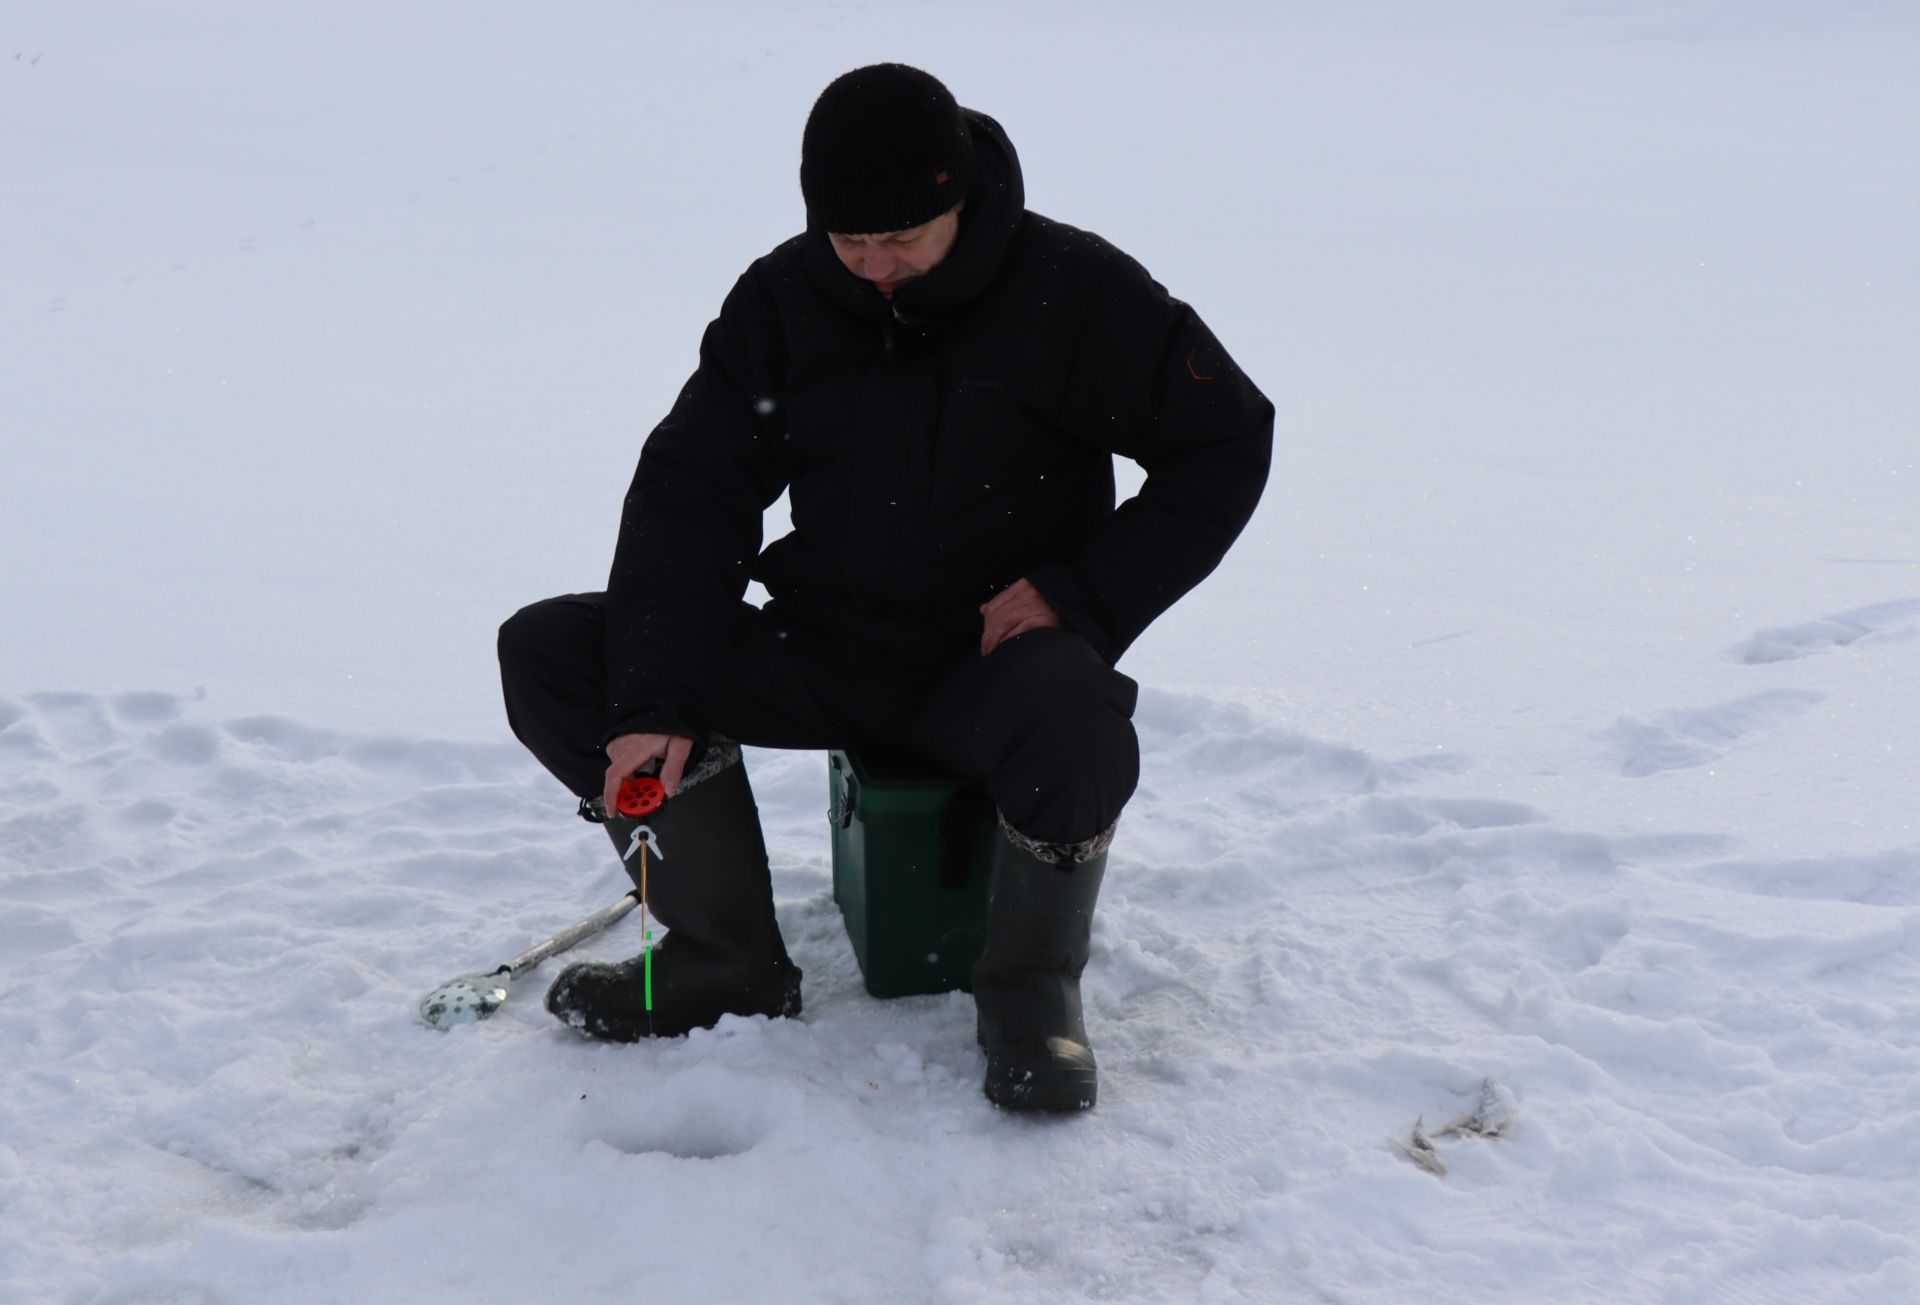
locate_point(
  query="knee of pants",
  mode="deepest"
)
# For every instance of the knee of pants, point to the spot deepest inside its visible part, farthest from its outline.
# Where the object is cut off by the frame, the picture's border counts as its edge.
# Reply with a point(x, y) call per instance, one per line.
point(1057, 672)
point(1091, 725)
point(1108, 757)
point(541, 635)
point(1070, 707)
point(1072, 773)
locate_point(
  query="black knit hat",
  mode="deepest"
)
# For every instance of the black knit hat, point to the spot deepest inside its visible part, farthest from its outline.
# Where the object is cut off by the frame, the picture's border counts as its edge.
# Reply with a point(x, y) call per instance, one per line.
point(885, 149)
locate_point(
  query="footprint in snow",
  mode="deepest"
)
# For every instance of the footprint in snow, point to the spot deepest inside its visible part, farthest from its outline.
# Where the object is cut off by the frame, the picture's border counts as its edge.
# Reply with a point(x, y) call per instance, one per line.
point(1899, 619)
point(184, 744)
point(76, 725)
point(279, 738)
point(20, 736)
point(1890, 878)
point(1681, 740)
point(145, 708)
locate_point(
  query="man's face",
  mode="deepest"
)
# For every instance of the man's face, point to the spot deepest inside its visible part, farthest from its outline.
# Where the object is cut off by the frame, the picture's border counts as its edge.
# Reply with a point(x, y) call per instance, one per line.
point(892, 258)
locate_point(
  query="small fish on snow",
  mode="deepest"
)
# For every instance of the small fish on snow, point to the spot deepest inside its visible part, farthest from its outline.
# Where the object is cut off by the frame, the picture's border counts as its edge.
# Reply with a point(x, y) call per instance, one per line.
point(1419, 1148)
point(1492, 1117)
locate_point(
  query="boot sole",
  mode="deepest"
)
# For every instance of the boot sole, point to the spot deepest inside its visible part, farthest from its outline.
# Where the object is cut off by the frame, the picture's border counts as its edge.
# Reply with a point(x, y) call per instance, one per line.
point(777, 997)
point(1054, 1089)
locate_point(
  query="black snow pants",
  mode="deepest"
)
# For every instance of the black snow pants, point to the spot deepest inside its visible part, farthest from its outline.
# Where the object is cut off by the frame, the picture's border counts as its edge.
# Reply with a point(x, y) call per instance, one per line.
point(1042, 723)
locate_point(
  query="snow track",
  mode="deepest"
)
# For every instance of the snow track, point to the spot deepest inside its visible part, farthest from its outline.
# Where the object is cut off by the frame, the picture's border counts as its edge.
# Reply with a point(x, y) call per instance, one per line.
point(215, 930)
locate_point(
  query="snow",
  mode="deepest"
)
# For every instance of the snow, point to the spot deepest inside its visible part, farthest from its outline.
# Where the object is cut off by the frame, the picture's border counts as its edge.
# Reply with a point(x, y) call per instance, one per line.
point(1553, 723)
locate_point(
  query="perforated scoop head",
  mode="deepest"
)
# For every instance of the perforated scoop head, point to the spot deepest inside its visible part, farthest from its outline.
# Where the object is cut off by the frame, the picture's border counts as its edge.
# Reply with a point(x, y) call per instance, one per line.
point(475, 996)
point(465, 999)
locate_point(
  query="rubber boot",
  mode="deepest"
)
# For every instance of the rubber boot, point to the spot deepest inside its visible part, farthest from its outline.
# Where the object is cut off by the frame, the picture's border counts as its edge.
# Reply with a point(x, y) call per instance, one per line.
point(707, 881)
point(1026, 984)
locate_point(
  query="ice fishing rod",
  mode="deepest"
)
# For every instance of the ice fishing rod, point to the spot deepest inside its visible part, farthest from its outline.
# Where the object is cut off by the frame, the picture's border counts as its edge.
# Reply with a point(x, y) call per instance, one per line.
point(475, 996)
point(642, 795)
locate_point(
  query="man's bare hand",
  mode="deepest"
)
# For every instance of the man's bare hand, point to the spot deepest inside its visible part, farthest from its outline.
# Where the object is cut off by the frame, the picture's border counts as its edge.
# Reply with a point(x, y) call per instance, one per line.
point(1015, 610)
point(631, 752)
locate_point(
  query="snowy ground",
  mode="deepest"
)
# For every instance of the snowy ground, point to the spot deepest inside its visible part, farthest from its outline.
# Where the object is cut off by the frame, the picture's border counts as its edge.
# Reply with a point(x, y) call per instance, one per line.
point(1555, 721)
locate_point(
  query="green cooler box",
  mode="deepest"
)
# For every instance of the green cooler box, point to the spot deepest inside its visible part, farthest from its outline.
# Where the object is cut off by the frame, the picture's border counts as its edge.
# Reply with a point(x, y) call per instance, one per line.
point(910, 849)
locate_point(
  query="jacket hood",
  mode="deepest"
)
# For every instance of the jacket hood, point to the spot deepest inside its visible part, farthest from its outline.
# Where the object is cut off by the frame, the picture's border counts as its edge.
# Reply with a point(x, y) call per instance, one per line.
point(996, 202)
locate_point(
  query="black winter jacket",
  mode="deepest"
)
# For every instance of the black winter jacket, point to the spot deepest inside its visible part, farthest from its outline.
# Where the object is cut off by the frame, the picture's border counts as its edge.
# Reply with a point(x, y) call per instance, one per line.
point(937, 447)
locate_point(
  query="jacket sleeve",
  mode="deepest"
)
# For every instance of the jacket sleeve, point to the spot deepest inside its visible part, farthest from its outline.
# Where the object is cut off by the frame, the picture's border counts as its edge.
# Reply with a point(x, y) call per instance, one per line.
point(1152, 383)
point(690, 527)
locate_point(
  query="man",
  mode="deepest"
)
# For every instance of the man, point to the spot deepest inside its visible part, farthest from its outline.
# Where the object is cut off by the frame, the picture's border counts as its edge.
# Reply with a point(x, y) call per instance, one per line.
point(939, 379)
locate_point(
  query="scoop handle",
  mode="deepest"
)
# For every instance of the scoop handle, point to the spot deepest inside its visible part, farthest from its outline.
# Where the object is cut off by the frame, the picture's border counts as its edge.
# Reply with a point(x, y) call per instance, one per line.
point(573, 934)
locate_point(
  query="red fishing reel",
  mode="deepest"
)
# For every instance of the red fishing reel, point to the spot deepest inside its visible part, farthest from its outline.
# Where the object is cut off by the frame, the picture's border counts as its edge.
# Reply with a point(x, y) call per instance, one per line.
point(640, 795)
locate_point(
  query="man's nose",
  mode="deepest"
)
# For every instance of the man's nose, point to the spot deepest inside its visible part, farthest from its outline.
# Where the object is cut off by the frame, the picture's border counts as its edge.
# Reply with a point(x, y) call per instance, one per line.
point(877, 265)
